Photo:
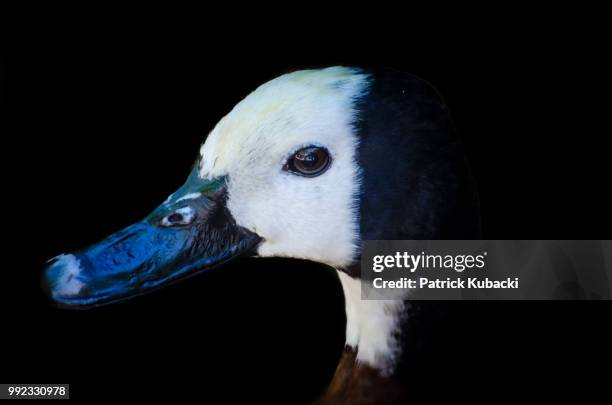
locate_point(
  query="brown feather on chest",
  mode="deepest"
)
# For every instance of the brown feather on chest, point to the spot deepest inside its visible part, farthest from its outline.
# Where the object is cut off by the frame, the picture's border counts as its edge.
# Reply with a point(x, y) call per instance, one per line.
point(358, 383)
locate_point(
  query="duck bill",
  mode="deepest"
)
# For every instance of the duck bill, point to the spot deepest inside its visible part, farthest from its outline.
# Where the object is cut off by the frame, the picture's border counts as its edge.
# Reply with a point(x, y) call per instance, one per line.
point(192, 232)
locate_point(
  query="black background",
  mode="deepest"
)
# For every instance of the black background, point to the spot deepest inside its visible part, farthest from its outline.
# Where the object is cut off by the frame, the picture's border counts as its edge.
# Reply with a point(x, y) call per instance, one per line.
point(101, 122)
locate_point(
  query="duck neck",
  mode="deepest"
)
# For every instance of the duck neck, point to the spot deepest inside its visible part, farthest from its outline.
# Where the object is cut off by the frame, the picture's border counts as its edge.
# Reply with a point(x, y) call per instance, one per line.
point(373, 327)
point(373, 349)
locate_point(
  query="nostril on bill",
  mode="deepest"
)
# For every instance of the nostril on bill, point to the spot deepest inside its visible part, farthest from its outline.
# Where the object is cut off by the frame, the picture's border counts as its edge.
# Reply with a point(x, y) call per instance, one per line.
point(175, 218)
point(63, 276)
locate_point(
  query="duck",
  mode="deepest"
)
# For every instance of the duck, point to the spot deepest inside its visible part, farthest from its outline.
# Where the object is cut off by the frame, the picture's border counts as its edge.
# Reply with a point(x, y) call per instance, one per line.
point(307, 166)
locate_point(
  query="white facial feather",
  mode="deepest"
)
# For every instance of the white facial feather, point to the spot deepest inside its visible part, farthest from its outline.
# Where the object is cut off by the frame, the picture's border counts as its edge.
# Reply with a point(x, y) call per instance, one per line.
point(309, 218)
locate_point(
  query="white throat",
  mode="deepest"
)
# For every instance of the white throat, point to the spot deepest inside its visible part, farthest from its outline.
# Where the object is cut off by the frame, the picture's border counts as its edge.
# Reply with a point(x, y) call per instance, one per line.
point(372, 326)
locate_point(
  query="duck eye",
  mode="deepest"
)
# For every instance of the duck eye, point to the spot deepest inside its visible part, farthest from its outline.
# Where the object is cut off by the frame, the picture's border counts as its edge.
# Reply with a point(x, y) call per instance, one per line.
point(182, 216)
point(310, 161)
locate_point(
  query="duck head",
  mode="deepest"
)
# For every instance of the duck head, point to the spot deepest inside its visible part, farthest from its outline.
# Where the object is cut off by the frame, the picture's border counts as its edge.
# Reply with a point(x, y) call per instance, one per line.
point(307, 166)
